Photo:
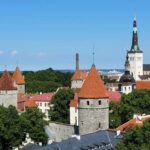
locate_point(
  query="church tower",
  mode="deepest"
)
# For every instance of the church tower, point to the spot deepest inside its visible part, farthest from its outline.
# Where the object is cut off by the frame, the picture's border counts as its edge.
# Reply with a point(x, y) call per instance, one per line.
point(93, 104)
point(135, 55)
point(126, 83)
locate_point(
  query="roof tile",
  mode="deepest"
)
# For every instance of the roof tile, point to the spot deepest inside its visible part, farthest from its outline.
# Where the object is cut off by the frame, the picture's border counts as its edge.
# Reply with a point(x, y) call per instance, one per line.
point(79, 75)
point(17, 76)
point(93, 86)
point(143, 84)
point(6, 82)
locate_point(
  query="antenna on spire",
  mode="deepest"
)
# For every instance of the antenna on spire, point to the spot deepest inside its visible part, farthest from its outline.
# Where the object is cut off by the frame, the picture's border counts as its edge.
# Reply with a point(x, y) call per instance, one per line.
point(93, 54)
point(134, 14)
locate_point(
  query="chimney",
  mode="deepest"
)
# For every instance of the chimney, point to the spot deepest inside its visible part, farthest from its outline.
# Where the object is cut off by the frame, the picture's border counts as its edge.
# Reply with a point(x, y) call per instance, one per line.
point(77, 61)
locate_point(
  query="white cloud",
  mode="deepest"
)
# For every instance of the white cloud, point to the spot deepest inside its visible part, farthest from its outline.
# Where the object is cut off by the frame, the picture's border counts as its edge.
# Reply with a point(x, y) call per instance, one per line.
point(1, 52)
point(14, 53)
point(41, 54)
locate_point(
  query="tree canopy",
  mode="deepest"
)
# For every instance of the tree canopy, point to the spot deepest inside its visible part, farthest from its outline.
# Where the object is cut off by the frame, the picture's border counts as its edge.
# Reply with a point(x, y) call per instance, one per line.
point(11, 133)
point(136, 102)
point(59, 108)
point(136, 138)
point(13, 127)
point(46, 80)
point(33, 123)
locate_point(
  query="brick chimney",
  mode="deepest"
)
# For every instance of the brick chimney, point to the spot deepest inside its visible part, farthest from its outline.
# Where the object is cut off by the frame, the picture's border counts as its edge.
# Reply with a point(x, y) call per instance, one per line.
point(77, 61)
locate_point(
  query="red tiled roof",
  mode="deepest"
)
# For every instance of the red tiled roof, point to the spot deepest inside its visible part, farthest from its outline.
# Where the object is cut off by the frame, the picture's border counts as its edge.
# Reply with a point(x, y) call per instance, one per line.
point(79, 75)
point(114, 96)
point(47, 97)
point(30, 103)
point(22, 97)
point(143, 84)
point(6, 82)
point(74, 102)
point(133, 122)
point(17, 76)
point(93, 86)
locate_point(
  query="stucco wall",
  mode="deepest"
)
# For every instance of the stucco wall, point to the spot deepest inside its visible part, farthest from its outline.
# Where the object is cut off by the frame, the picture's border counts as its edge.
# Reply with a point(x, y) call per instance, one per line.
point(73, 116)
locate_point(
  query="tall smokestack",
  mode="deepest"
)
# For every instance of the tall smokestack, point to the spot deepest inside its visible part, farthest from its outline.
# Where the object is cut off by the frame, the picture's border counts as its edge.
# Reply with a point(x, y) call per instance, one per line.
point(77, 61)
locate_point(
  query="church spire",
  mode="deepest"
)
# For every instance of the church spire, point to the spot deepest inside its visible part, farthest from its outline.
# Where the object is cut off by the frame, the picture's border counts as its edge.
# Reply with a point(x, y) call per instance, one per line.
point(135, 46)
point(127, 64)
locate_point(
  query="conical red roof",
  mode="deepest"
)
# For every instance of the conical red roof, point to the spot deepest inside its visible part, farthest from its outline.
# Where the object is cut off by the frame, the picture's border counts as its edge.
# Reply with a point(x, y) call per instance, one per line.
point(93, 86)
point(6, 82)
point(17, 76)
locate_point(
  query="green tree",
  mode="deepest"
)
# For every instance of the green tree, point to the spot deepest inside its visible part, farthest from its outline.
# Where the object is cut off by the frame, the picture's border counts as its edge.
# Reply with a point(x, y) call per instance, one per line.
point(46, 80)
point(136, 102)
point(136, 138)
point(33, 123)
point(59, 111)
point(11, 133)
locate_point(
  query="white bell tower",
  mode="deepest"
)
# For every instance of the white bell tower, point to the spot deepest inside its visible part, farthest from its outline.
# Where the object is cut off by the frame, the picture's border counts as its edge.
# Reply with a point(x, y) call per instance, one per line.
point(135, 55)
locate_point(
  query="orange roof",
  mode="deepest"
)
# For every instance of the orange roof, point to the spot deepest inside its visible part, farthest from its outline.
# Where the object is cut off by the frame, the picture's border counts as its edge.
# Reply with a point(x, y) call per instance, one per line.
point(30, 103)
point(79, 75)
point(17, 76)
point(93, 86)
point(133, 122)
point(143, 84)
point(6, 82)
point(74, 102)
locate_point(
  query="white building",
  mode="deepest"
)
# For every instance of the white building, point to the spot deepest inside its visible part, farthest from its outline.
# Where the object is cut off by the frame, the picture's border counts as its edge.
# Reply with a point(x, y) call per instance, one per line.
point(42, 100)
point(74, 111)
point(135, 55)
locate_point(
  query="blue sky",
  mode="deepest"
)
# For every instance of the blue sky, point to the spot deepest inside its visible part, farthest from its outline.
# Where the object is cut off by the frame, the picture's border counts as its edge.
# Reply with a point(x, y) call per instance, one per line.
point(38, 34)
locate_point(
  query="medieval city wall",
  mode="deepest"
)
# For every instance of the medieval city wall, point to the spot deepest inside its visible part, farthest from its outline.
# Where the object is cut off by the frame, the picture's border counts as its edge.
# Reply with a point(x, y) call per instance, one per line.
point(8, 98)
point(61, 131)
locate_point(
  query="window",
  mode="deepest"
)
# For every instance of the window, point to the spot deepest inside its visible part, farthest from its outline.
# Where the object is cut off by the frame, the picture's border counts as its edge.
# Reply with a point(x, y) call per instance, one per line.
point(131, 58)
point(88, 103)
point(45, 104)
point(125, 88)
point(99, 102)
point(40, 104)
point(99, 125)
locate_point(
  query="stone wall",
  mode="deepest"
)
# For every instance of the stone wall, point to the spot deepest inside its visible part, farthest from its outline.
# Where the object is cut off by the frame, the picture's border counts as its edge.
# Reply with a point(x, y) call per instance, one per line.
point(61, 131)
point(8, 97)
point(93, 115)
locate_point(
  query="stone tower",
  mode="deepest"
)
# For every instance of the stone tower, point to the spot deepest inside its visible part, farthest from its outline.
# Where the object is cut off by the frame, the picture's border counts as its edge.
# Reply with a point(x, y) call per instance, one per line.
point(135, 55)
point(93, 104)
point(19, 80)
point(8, 93)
